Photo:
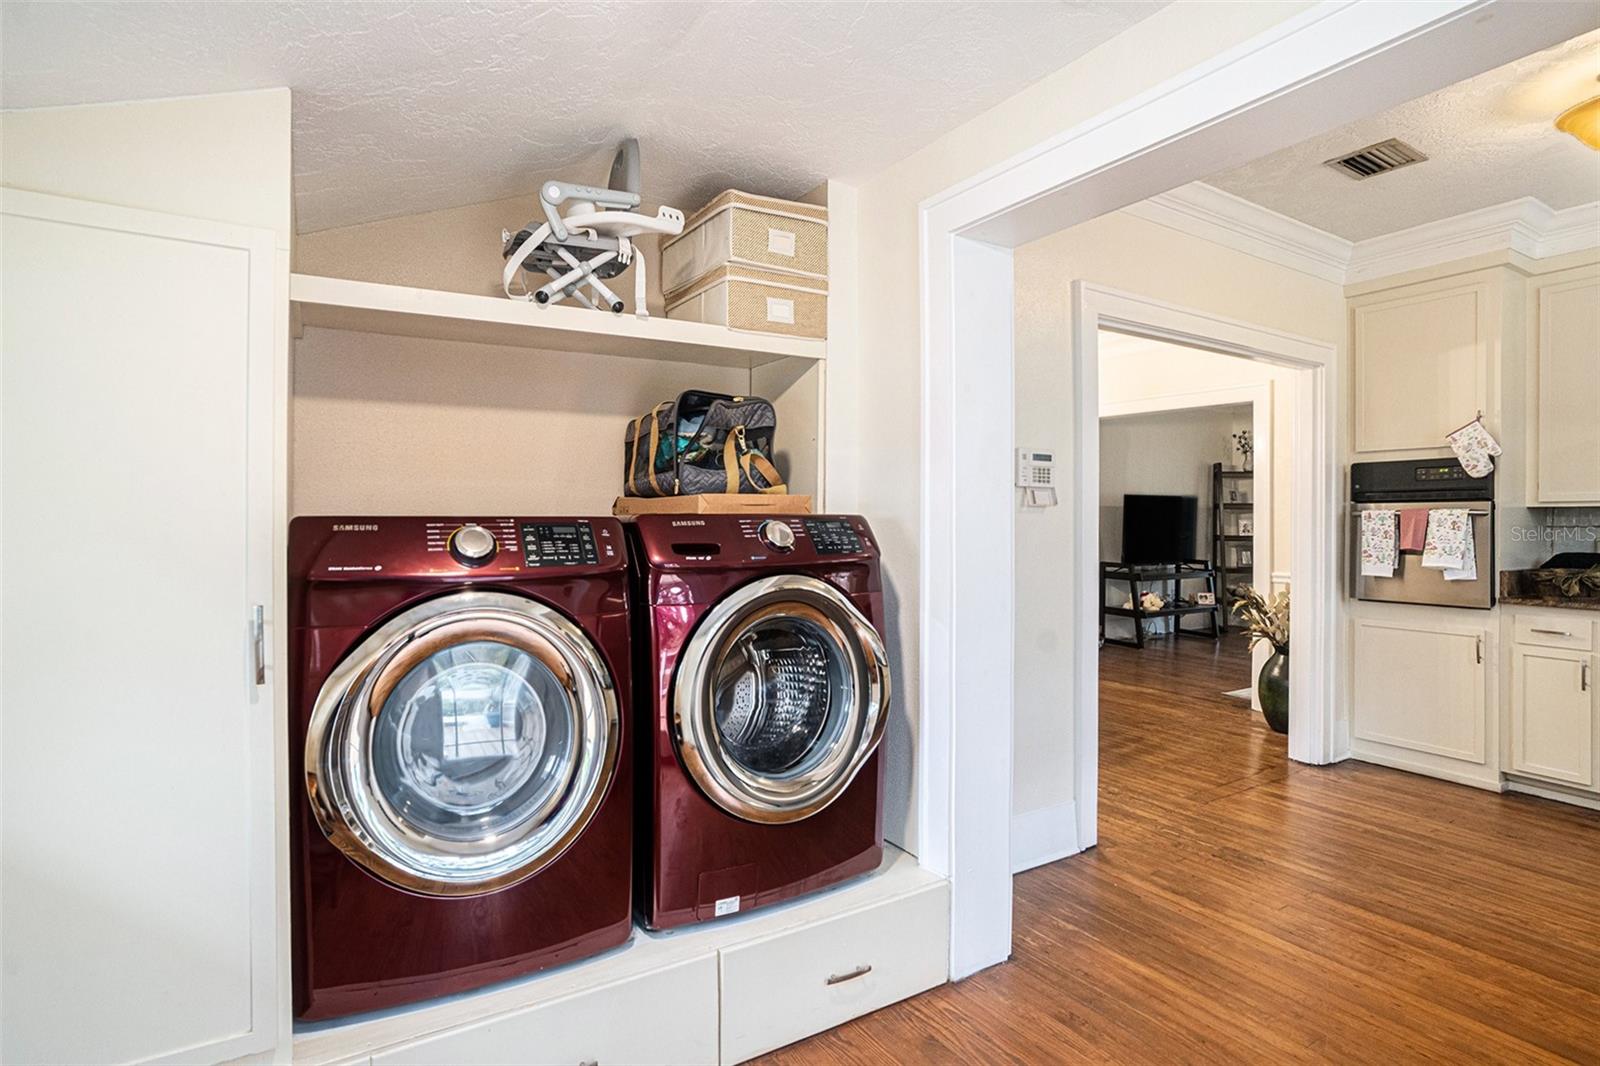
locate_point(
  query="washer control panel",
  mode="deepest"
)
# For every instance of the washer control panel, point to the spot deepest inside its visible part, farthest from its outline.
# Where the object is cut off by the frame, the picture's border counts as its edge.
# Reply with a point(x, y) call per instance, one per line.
point(833, 536)
point(558, 544)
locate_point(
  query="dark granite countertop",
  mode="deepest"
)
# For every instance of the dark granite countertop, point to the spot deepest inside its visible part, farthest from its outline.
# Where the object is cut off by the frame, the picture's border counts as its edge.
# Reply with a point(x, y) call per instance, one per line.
point(1519, 589)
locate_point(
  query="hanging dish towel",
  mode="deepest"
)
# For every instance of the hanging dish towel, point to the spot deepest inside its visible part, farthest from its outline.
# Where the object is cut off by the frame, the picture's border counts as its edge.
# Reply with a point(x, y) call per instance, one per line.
point(1449, 544)
point(1413, 529)
point(1379, 546)
point(1474, 447)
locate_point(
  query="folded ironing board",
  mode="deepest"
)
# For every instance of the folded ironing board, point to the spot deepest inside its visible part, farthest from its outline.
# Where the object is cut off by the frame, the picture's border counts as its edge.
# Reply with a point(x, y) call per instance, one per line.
point(593, 241)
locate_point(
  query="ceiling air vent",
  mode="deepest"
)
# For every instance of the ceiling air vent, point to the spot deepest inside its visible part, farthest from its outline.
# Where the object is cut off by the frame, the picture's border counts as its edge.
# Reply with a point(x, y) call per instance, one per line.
point(1377, 158)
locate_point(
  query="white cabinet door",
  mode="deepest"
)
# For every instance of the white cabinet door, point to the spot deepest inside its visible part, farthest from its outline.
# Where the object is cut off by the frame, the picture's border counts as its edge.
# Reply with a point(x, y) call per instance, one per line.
point(1552, 714)
point(136, 423)
point(1567, 339)
point(1421, 687)
point(1422, 358)
point(666, 1018)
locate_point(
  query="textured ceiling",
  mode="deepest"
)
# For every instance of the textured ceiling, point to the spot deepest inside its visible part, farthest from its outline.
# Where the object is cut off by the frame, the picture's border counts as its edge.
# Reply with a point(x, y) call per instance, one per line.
point(1488, 139)
point(408, 106)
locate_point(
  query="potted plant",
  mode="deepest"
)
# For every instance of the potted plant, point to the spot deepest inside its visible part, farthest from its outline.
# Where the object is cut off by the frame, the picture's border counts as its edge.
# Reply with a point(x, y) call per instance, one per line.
point(1268, 620)
point(1247, 448)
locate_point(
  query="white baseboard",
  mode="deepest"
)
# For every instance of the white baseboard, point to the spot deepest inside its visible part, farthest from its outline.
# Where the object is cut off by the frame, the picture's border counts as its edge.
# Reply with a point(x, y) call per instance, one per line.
point(1428, 766)
point(1044, 835)
point(1558, 794)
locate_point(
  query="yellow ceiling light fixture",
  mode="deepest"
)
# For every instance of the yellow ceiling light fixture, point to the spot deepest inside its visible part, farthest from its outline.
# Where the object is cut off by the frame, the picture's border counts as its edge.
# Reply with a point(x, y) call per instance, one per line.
point(1582, 121)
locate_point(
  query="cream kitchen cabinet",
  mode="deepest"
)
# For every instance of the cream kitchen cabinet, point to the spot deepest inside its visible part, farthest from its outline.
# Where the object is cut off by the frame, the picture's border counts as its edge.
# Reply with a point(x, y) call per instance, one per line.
point(139, 791)
point(1420, 695)
point(1552, 727)
point(1564, 337)
point(1425, 359)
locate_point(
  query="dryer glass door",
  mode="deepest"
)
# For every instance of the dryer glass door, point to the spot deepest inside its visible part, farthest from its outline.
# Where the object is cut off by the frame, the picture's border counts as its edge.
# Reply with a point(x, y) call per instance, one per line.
point(780, 698)
point(463, 746)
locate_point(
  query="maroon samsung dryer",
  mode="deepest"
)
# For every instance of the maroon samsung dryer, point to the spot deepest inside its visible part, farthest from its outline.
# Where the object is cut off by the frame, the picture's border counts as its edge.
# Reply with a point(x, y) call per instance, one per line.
point(763, 692)
point(460, 762)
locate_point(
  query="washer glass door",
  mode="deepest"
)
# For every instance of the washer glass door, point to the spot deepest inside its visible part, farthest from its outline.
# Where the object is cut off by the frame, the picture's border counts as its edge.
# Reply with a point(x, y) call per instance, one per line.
point(780, 698)
point(464, 745)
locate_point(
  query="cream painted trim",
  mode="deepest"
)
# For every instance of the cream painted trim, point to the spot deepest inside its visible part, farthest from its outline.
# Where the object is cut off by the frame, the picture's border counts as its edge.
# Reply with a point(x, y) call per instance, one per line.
point(1526, 227)
point(1280, 577)
point(1203, 211)
point(1044, 835)
point(1329, 63)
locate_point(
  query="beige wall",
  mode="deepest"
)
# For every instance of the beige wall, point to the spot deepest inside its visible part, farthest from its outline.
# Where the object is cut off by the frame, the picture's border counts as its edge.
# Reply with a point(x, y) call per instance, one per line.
point(1172, 40)
point(222, 157)
point(1138, 256)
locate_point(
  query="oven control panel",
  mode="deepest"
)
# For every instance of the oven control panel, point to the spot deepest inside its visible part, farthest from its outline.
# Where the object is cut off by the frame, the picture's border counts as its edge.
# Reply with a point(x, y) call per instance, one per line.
point(833, 536)
point(558, 544)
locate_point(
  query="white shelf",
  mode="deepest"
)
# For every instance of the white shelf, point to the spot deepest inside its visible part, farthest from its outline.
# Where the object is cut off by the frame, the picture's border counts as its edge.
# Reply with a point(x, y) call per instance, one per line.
point(352, 1040)
point(399, 310)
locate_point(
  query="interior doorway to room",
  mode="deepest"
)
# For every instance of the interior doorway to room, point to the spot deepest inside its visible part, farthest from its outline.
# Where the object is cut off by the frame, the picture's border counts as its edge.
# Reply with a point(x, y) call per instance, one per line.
point(1189, 478)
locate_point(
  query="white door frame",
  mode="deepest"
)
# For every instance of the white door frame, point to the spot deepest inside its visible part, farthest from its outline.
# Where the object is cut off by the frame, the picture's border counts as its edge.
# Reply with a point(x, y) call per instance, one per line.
point(1329, 64)
point(1314, 480)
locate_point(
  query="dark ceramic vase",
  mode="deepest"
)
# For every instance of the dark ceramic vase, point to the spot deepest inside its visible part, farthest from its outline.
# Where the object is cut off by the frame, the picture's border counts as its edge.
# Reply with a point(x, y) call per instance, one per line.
point(1273, 688)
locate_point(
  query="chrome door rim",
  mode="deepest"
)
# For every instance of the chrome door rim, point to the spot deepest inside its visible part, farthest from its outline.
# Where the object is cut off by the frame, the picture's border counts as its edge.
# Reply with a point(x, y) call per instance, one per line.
point(735, 788)
point(358, 819)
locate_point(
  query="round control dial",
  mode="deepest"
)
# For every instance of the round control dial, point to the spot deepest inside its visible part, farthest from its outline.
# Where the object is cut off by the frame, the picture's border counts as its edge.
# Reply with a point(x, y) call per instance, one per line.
point(776, 535)
point(472, 545)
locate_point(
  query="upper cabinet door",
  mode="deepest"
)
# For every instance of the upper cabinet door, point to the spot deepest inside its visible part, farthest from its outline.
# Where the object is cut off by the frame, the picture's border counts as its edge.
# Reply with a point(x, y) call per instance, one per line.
point(1566, 324)
point(139, 863)
point(1422, 355)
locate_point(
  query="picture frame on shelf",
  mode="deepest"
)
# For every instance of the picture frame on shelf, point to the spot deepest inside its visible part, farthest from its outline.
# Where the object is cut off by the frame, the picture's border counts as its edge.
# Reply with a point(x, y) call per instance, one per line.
point(1247, 526)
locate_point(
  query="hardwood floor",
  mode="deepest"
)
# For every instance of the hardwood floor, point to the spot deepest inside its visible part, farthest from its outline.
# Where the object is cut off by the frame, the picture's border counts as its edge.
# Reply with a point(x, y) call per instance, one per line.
point(1240, 908)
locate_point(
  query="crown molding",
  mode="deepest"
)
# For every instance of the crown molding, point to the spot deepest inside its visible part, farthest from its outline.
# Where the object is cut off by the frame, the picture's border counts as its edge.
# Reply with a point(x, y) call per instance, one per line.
point(1526, 227)
point(1203, 211)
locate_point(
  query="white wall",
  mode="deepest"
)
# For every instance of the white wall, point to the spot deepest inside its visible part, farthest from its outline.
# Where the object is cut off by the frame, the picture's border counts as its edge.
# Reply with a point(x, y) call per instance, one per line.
point(222, 157)
point(1172, 40)
point(1143, 257)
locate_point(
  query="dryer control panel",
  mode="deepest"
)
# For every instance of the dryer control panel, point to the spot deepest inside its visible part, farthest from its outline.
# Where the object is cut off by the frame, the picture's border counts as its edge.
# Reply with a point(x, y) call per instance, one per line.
point(558, 544)
point(833, 536)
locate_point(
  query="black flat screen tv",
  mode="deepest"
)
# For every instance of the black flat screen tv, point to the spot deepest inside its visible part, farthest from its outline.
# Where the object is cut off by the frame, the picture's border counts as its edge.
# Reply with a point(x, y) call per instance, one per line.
point(1158, 530)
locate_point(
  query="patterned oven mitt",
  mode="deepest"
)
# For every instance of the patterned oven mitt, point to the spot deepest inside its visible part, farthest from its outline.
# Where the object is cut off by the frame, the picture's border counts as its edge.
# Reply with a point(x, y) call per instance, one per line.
point(1475, 448)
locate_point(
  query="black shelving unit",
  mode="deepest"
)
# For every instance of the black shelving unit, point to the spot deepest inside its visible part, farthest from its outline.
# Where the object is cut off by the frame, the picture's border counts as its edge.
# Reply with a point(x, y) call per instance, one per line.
point(1223, 542)
point(1170, 581)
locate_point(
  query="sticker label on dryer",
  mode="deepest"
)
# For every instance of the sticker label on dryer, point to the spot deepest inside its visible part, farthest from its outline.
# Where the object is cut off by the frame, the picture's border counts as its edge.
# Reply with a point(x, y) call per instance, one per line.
point(727, 905)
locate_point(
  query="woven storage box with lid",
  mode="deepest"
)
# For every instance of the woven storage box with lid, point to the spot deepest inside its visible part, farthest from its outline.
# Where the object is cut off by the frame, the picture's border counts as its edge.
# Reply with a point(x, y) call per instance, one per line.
point(758, 301)
point(755, 231)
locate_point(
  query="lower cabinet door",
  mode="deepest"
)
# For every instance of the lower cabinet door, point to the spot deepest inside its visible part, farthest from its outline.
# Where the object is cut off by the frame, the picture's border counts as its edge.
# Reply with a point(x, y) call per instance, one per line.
point(1420, 687)
point(1552, 715)
point(666, 1017)
point(800, 982)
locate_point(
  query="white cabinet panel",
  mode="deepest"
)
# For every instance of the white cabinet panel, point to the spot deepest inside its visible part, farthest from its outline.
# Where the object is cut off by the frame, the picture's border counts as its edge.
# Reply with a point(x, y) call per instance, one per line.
point(1422, 357)
point(1421, 687)
point(1552, 715)
point(790, 985)
point(1567, 340)
point(665, 1017)
point(139, 853)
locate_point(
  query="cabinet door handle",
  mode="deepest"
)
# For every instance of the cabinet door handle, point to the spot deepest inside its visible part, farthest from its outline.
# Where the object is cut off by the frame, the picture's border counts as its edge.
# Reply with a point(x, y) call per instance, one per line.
point(1480, 651)
point(1584, 678)
point(258, 642)
point(1551, 632)
point(841, 978)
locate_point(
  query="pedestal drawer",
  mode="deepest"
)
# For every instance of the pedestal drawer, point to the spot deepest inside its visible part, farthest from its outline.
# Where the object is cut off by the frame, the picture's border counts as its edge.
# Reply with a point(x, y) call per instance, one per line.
point(1565, 629)
point(800, 982)
point(669, 1016)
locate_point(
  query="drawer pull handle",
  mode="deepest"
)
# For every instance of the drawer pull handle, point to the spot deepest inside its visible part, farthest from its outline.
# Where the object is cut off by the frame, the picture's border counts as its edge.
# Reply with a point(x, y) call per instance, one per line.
point(841, 978)
point(1551, 632)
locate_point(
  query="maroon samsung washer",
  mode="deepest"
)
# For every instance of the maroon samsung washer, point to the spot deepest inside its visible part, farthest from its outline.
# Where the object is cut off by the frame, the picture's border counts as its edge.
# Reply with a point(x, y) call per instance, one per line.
point(463, 806)
point(763, 691)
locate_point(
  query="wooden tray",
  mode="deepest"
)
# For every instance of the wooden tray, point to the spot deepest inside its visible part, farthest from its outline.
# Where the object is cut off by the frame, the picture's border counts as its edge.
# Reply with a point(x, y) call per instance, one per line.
point(713, 503)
